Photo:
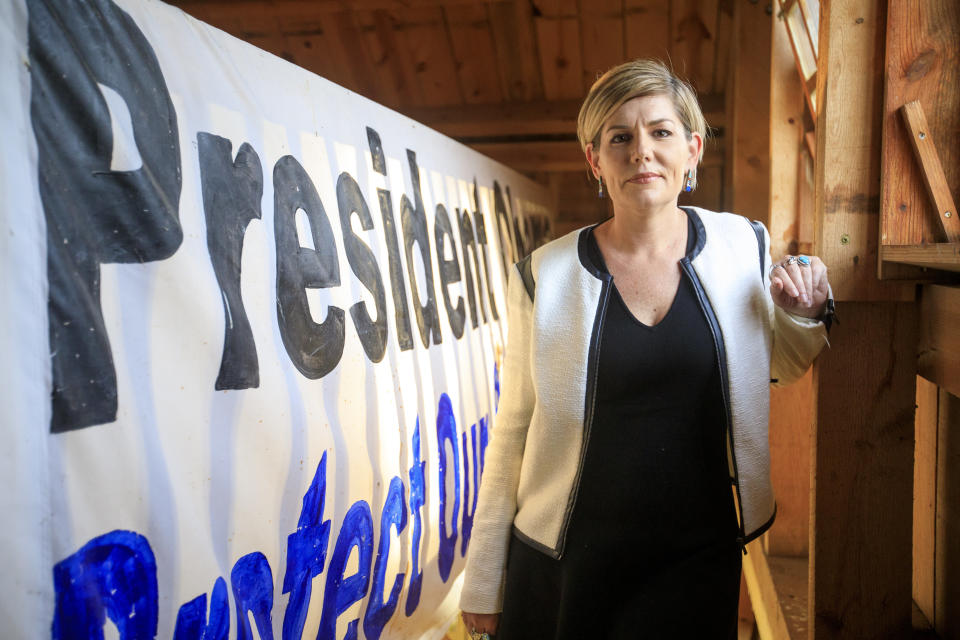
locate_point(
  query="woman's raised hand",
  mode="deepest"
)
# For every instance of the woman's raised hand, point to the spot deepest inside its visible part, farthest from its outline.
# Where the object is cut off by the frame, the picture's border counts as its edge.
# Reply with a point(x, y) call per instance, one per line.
point(480, 623)
point(798, 284)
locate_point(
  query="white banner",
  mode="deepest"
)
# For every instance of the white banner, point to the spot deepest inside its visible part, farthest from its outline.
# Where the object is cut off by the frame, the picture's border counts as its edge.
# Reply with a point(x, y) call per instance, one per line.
point(250, 342)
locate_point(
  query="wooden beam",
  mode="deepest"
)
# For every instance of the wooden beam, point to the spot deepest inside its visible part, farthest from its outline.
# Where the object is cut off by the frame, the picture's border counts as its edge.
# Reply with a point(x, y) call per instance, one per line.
point(786, 134)
point(945, 256)
point(850, 113)
point(749, 104)
point(925, 151)
point(925, 494)
point(939, 346)
point(525, 118)
point(947, 586)
point(778, 589)
point(863, 472)
point(287, 8)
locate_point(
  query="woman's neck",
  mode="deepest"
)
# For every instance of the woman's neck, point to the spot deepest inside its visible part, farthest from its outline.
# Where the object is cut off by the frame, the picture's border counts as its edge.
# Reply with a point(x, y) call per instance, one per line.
point(645, 233)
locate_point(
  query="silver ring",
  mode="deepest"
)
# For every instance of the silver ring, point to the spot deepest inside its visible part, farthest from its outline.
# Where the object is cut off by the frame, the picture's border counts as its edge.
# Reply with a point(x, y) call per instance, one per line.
point(804, 261)
point(774, 267)
point(789, 261)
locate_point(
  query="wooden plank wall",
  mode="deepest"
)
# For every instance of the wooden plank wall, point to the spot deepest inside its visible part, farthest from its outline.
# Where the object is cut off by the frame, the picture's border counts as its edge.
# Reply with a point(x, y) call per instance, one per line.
point(936, 523)
point(862, 502)
point(922, 58)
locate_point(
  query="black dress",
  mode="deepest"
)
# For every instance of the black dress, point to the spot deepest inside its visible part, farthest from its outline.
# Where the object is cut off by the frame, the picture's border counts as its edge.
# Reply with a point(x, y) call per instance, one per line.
point(651, 551)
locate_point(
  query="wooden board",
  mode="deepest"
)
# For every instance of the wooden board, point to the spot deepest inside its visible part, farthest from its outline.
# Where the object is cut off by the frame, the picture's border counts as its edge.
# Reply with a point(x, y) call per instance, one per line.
point(647, 29)
point(602, 33)
point(931, 170)
point(791, 428)
point(939, 345)
point(778, 589)
point(558, 40)
point(693, 41)
point(850, 114)
point(472, 44)
point(786, 132)
point(922, 63)
point(863, 474)
point(925, 496)
point(943, 256)
point(515, 44)
point(947, 589)
point(749, 104)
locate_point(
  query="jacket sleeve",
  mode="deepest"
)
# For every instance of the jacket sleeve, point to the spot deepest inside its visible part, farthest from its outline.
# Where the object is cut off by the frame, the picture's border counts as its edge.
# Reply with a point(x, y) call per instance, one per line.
point(485, 570)
point(796, 340)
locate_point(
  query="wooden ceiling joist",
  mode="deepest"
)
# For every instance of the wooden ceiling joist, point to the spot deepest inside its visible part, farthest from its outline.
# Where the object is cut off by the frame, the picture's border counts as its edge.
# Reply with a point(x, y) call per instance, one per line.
point(526, 118)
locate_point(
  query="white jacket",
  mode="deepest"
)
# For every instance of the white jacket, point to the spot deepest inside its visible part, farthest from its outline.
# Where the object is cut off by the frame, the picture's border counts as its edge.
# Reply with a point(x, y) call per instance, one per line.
point(556, 302)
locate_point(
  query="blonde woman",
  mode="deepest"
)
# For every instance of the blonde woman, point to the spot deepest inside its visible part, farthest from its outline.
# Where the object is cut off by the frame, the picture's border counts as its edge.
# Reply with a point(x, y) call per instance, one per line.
point(629, 462)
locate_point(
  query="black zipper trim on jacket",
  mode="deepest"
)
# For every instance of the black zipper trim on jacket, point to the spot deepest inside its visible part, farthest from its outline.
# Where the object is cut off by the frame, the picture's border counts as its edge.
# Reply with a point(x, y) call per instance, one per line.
point(724, 385)
point(593, 363)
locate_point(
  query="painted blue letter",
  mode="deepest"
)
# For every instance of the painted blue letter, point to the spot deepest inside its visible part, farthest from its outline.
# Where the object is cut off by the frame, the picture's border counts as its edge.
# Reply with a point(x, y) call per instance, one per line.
point(417, 482)
point(468, 511)
point(193, 615)
point(484, 441)
point(253, 591)
point(112, 576)
point(340, 593)
point(447, 432)
point(306, 553)
point(394, 513)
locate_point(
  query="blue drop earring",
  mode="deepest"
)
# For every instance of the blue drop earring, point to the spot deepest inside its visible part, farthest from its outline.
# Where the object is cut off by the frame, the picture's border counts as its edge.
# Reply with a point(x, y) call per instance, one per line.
point(689, 181)
point(600, 186)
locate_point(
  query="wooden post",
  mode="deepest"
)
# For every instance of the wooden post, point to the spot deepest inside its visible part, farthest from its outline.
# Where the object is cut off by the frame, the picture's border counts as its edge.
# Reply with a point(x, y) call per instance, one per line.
point(860, 539)
point(748, 103)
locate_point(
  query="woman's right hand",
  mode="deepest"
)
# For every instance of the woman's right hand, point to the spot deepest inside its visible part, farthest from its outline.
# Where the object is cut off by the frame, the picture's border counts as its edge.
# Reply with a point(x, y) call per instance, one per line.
point(481, 622)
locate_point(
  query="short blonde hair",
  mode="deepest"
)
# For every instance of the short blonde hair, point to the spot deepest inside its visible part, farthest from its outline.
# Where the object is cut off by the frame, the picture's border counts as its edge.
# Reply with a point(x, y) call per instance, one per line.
point(640, 77)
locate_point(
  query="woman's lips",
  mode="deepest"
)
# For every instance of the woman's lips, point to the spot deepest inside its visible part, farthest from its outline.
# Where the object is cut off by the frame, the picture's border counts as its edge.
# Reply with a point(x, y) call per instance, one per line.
point(644, 178)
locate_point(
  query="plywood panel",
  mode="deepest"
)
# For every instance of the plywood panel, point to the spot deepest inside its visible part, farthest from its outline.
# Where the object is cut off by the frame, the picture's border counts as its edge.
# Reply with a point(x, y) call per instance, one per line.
point(558, 40)
point(693, 30)
point(925, 496)
point(423, 34)
point(602, 32)
point(863, 473)
point(515, 42)
point(922, 63)
point(850, 110)
point(392, 66)
point(473, 52)
point(647, 25)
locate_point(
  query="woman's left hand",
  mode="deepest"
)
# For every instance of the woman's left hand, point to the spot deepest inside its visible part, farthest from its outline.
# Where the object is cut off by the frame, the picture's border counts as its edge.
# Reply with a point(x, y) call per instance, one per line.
point(798, 284)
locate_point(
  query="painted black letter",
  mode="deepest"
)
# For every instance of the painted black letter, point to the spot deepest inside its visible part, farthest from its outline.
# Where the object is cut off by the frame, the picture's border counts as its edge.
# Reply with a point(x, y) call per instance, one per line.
point(449, 269)
point(397, 286)
point(231, 199)
point(315, 349)
point(467, 244)
point(96, 215)
point(372, 333)
point(482, 248)
point(414, 221)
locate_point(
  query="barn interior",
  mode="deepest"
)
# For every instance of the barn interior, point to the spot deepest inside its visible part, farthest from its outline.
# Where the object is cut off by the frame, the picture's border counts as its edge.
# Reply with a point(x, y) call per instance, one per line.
point(834, 122)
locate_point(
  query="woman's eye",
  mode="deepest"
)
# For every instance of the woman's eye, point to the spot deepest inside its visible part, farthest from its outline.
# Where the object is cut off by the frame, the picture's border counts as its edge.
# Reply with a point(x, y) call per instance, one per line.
point(620, 137)
point(663, 133)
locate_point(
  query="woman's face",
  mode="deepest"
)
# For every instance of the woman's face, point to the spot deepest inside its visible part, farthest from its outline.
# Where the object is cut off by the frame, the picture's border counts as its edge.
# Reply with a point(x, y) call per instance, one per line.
point(643, 154)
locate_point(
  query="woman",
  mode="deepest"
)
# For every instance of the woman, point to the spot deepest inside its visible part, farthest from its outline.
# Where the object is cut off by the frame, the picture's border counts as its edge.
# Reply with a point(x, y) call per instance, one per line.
point(636, 394)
